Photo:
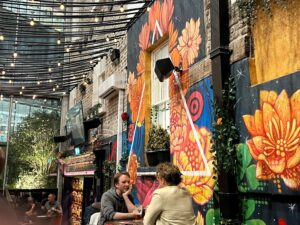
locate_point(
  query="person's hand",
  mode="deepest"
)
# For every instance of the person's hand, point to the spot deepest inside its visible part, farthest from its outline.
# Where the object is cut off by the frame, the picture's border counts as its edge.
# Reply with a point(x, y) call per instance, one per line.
point(125, 194)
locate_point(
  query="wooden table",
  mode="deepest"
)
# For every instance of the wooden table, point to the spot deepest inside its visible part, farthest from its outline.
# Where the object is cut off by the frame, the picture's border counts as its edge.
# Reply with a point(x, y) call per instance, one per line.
point(124, 222)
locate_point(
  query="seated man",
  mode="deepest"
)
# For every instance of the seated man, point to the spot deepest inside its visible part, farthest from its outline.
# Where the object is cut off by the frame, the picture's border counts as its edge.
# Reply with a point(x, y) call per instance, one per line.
point(52, 207)
point(117, 203)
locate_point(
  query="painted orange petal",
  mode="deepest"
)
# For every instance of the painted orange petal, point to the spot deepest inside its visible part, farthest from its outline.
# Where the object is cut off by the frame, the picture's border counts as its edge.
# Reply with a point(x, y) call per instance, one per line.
point(282, 107)
point(200, 219)
point(201, 194)
point(173, 35)
point(263, 146)
point(295, 106)
point(263, 172)
point(258, 119)
point(144, 36)
point(276, 163)
point(291, 177)
point(167, 10)
point(271, 121)
point(175, 57)
point(250, 124)
point(154, 14)
point(263, 96)
point(294, 160)
point(184, 163)
point(252, 148)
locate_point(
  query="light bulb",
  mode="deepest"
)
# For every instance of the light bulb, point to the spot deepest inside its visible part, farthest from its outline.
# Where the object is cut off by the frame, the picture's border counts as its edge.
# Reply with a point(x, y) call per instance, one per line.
point(58, 64)
point(62, 6)
point(148, 9)
point(67, 50)
point(39, 82)
point(3, 72)
point(96, 19)
point(1, 37)
point(107, 38)
point(12, 64)
point(10, 81)
point(23, 87)
point(121, 9)
point(49, 69)
point(53, 89)
point(15, 55)
point(58, 41)
point(21, 92)
point(31, 23)
point(33, 97)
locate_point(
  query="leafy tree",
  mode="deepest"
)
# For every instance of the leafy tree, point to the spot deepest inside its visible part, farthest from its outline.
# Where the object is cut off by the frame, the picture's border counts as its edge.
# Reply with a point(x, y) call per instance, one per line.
point(32, 151)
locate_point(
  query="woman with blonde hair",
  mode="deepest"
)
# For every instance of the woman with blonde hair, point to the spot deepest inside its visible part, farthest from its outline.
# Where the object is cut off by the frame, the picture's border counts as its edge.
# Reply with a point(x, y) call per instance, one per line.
point(170, 204)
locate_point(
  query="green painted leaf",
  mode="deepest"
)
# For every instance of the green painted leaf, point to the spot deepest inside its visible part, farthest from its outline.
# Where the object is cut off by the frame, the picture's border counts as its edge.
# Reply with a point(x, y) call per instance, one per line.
point(244, 155)
point(255, 222)
point(249, 208)
point(250, 174)
point(212, 217)
point(241, 189)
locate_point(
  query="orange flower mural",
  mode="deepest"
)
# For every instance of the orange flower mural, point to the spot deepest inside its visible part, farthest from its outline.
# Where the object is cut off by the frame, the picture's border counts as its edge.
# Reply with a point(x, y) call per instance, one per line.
point(136, 100)
point(275, 131)
point(144, 36)
point(162, 14)
point(141, 64)
point(200, 219)
point(132, 168)
point(189, 159)
point(131, 83)
point(167, 10)
point(190, 41)
point(173, 35)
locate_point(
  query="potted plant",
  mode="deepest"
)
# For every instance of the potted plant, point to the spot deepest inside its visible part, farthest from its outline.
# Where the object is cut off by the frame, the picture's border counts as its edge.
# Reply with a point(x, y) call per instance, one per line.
point(224, 148)
point(158, 147)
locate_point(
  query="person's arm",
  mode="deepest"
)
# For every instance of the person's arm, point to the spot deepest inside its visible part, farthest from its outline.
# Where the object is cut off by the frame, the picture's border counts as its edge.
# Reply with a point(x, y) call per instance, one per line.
point(130, 206)
point(31, 210)
point(154, 209)
point(109, 213)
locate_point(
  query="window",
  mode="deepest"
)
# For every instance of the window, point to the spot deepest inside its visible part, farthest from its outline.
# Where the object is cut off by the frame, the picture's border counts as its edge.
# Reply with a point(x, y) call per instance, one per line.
point(160, 91)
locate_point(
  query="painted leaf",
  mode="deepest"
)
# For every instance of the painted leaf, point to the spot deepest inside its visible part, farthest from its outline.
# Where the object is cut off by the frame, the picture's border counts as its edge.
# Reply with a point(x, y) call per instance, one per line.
point(249, 208)
point(251, 178)
point(245, 158)
point(212, 217)
point(255, 222)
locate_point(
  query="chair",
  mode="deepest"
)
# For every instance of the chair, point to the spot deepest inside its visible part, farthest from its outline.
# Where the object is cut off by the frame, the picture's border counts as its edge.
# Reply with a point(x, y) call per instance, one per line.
point(95, 218)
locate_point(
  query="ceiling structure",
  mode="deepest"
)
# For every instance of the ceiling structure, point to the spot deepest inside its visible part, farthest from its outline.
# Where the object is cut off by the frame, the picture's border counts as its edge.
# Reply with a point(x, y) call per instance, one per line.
point(47, 47)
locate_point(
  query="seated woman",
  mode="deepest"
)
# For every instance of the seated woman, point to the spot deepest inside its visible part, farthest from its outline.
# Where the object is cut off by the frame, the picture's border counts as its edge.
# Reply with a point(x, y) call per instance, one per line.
point(31, 210)
point(170, 203)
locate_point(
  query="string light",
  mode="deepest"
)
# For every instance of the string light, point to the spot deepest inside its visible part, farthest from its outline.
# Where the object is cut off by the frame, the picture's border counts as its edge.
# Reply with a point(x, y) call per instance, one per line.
point(15, 55)
point(23, 87)
point(31, 23)
point(58, 64)
point(122, 8)
point(10, 81)
point(34, 96)
point(148, 9)
point(12, 64)
point(1, 37)
point(53, 89)
point(50, 81)
point(58, 41)
point(21, 92)
point(67, 49)
point(64, 93)
point(107, 39)
point(49, 69)
point(96, 19)
point(3, 72)
point(62, 6)
point(39, 82)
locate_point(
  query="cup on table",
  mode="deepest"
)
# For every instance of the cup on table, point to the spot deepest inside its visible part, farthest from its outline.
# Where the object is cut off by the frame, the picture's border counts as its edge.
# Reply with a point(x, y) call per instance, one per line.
point(139, 209)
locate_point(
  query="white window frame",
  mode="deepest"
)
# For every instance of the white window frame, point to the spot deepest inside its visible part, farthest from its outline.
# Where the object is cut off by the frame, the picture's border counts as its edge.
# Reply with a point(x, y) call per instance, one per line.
point(160, 90)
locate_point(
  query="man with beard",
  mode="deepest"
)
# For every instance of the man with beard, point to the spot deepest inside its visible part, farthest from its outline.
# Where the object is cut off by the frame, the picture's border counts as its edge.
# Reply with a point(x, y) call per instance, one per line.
point(117, 203)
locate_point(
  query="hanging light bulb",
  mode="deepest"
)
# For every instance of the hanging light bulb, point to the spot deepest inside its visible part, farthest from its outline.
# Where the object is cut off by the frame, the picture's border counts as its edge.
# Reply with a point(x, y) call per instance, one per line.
point(49, 69)
point(21, 92)
point(1, 37)
point(12, 65)
point(15, 54)
point(57, 86)
point(64, 93)
point(62, 6)
point(91, 62)
point(50, 81)
point(122, 8)
point(148, 9)
point(96, 19)
point(23, 87)
point(58, 41)
point(39, 82)
point(107, 38)
point(31, 23)
point(53, 89)
point(33, 97)
point(3, 72)
point(67, 49)
point(10, 81)
point(58, 64)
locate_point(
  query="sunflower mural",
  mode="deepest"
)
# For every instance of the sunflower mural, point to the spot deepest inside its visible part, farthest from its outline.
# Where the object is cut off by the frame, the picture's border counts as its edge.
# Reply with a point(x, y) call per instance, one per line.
point(190, 132)
point(275, 137)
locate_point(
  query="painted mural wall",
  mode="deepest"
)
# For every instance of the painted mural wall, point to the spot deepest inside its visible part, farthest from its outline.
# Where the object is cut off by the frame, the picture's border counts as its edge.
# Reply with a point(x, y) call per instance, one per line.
point(190, 131)
point(267, 114)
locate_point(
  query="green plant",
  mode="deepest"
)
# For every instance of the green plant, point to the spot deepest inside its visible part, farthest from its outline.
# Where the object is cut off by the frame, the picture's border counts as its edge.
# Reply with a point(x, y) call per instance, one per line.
point(225, 134)
point(159, 138)
point(93, 111)
point(109, 168)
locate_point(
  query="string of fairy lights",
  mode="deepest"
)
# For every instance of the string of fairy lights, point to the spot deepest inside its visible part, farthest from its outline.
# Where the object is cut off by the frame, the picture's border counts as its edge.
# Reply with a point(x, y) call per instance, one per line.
point(47, 47)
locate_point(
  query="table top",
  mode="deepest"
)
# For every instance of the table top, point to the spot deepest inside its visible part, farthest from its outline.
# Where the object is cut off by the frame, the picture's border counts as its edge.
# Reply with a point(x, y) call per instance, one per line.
point(124, 222)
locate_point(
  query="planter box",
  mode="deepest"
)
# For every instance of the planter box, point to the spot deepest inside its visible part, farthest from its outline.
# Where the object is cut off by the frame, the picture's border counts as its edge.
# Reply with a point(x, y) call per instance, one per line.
point(158, 156)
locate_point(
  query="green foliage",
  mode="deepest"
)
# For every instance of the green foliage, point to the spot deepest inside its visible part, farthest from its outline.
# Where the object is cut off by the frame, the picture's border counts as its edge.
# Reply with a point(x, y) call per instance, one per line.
point(251, 177)
point(248, 207)
point(212, 217)
point(159, 138)
point(109, 168)
point(225, 134)
point(32, 149)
